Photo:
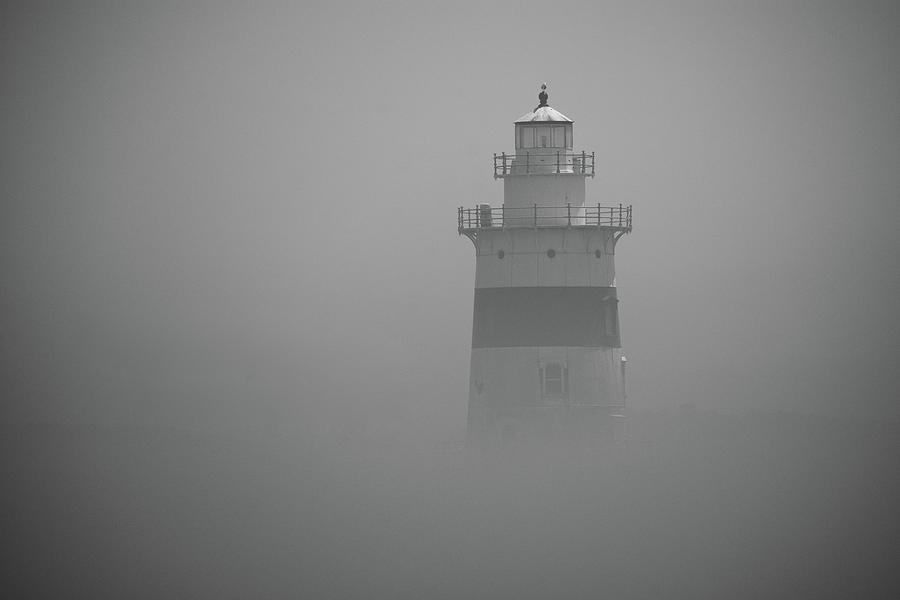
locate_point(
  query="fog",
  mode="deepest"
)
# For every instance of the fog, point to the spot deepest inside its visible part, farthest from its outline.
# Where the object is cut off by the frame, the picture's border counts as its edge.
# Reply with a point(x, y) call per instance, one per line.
point(236, 315)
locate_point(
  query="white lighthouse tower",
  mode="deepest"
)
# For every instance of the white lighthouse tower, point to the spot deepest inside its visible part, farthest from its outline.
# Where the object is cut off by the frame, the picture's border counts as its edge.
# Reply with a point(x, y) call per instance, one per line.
point(546, 358)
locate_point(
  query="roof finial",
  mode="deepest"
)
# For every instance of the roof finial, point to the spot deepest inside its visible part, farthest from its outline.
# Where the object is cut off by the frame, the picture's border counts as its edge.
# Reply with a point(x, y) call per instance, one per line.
point(542, 96)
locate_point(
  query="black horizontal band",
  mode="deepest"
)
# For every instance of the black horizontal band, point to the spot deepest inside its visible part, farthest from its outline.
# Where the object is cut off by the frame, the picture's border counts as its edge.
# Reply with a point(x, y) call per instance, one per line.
point(545, 316)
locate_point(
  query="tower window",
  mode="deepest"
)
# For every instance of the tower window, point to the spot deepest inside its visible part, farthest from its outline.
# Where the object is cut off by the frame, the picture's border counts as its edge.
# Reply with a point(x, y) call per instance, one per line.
point(554, 380)
point(527, 137)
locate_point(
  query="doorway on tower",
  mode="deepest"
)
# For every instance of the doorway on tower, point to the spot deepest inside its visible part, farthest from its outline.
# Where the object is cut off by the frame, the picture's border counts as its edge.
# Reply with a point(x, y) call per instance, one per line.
point(554, 377)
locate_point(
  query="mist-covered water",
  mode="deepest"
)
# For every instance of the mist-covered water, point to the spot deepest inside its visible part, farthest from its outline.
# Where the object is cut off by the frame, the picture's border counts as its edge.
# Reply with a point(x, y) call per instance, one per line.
point(697, 505)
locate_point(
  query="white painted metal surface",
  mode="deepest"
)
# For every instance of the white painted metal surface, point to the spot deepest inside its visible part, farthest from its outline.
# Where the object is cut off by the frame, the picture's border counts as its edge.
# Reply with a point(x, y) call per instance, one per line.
point(525, 261)
point(544, 113)
point(542, 190)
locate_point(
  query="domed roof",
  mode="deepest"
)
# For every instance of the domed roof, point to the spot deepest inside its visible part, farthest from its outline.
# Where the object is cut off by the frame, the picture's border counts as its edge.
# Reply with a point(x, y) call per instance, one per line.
point(543, 112)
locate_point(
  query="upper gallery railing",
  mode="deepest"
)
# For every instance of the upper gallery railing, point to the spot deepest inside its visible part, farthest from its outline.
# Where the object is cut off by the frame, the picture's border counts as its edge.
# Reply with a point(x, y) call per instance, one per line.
point(544, 162)
point(485, 216)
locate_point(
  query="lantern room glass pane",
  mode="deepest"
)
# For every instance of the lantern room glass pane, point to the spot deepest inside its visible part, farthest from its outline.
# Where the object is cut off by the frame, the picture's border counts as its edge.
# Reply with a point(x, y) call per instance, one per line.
point(527, 137)
point(542, 137)
point(559, 137)
point(569, 137)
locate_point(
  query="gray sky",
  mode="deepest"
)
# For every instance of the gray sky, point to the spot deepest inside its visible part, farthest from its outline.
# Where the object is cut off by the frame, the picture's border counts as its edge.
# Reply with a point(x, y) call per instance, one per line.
point(217, 212)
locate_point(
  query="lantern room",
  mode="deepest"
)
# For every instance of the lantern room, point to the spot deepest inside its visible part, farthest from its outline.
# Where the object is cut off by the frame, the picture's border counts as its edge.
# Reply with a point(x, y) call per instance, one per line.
point(544, 127)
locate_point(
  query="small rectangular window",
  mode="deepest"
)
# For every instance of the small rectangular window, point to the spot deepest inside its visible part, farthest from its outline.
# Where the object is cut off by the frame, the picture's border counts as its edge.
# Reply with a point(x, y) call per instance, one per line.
point(553, 380)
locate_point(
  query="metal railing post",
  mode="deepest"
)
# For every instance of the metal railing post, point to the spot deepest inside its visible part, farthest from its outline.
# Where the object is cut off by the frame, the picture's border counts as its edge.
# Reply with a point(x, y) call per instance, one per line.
point(504, 164)
point(620, 214)
point(535, 215)
point(527, 160)
point(593, 161)
point(557, 162)
point(598, 214)
point(503, 216)
point(569, 212)
point(495, 164)
point(582, 165)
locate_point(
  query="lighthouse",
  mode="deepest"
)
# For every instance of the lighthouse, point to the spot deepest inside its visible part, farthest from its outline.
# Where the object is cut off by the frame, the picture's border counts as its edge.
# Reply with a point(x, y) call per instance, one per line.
point(546, 358)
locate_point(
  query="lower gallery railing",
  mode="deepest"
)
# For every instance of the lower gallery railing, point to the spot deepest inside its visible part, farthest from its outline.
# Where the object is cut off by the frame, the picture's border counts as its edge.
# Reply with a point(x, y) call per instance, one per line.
point(485, 216)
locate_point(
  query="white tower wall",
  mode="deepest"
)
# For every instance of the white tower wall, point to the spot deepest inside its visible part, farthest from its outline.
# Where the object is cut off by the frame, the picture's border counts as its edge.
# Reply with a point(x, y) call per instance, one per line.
point(521, 194)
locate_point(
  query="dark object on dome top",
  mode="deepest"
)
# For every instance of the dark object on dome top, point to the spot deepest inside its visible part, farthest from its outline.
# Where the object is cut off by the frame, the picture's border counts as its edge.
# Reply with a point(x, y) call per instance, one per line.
point(543, 96)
